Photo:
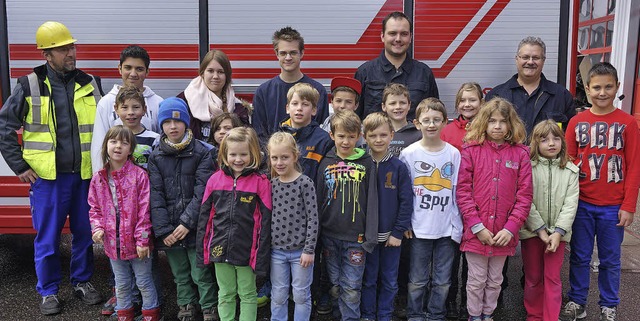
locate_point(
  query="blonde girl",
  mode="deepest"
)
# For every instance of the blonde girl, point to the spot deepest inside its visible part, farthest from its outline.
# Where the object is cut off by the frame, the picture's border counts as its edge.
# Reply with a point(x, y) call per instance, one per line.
point(294, 229)
point(494, 197)
point(120, 219)
point(235, 221)
point(548, 228)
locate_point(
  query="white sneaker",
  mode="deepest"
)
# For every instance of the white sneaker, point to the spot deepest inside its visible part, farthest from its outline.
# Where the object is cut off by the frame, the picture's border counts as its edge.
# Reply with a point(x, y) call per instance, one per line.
point(607, 314)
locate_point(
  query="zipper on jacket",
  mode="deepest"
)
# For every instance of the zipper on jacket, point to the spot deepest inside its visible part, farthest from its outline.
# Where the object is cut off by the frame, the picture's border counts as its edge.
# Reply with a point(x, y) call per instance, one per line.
point(233, 206)
point(549, 192)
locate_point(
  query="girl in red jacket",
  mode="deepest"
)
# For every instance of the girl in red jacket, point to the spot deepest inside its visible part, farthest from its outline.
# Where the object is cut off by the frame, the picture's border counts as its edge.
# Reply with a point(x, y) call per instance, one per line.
point(120, 219)
point(494, 197)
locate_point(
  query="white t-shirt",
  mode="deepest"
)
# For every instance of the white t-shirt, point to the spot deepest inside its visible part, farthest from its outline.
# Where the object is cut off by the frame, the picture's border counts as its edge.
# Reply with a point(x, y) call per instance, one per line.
point(434, 177)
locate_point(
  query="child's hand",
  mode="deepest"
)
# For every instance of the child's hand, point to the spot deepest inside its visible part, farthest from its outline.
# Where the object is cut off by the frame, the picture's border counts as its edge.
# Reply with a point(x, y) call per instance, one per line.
point(143, 252)
point(306, 260)
point(170, 240)
point(180, 232)
point(502, 238)
point(554, 241)
point(392, 241)
point(626, 218)
point(408, 234)
point(97, 237)
point(544, 236)
point(486, 237)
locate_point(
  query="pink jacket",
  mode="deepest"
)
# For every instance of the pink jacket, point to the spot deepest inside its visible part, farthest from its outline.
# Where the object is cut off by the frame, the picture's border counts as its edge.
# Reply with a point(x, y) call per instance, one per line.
point(494, 188)
point(132, 189)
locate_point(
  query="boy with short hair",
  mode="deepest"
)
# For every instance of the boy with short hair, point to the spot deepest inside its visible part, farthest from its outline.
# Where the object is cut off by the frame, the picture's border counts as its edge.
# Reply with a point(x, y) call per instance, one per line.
point(604, 143)
point(134, 69)
point(345, 94)
point(436, 225)
point(270, 98)
point(395, 204)
point(313, 142)
point(348, 202)
point(396, 102)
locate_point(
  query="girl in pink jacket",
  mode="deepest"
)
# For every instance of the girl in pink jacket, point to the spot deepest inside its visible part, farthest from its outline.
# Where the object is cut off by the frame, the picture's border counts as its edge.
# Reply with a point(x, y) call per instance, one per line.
point(120, 219)
point(494, 197)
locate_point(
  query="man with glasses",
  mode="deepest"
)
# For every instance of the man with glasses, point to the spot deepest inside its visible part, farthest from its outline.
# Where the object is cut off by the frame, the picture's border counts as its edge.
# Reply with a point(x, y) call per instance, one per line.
point(56, 107)
point(534, 97)
point(394, 65)
point(270, 99)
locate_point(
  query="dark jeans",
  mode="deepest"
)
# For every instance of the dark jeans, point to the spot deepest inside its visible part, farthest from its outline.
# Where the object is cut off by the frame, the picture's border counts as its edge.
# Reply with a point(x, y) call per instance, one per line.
point(455, 285)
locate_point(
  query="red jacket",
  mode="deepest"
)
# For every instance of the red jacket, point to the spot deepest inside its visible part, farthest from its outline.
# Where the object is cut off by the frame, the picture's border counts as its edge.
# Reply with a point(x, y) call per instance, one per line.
point(494, 188)
point(454, 132)
point(132, 189)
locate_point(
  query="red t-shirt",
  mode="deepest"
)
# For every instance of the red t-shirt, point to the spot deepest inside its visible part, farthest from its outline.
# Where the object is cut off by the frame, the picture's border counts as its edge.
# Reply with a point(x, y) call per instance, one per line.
point(606, 147)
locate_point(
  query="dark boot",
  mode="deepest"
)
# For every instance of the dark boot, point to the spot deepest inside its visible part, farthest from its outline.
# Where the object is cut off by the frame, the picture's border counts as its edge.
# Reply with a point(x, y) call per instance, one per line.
point(151, 315)
point(126, 315)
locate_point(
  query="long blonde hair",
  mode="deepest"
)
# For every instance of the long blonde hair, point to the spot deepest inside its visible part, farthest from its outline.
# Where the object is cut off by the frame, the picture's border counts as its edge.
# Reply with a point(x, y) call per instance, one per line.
point(542, 130)
point(287, 140)
point(478, 129)
point(241, 135)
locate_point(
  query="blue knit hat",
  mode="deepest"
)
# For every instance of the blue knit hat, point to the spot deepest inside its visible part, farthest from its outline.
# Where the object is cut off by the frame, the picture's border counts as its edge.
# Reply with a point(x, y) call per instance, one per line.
point(173, 108)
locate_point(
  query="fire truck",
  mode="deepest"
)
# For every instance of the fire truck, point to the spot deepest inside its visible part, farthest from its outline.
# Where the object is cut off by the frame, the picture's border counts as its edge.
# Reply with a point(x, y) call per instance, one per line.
point(470, 40)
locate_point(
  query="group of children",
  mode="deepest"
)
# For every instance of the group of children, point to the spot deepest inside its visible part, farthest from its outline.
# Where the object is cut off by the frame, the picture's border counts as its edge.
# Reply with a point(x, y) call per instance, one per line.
point(470, 186)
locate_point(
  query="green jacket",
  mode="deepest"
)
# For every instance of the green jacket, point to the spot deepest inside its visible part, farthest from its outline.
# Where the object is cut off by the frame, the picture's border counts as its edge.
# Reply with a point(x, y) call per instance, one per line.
point(555, 198)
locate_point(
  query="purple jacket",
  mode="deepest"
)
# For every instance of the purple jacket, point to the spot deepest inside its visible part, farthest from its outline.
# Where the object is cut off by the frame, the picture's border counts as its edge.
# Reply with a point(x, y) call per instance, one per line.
point(132, 187)
point(495, 188)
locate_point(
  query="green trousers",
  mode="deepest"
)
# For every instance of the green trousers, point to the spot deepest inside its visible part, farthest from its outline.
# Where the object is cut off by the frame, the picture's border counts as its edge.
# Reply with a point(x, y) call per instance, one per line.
point(189, 277)
point(238, 280)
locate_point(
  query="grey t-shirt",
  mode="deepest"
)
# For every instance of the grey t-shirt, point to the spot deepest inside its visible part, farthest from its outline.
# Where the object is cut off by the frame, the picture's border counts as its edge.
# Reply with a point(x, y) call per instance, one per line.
point(294, 220)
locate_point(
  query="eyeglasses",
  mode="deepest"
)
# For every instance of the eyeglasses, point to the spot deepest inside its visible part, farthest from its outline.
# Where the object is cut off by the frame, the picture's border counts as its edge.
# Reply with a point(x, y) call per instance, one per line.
point(292, 53)
point(527, 58)
point(435, 122)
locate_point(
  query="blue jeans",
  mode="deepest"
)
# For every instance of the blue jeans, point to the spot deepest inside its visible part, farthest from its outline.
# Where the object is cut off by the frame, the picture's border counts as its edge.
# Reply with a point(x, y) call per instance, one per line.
point(592, 220)
point(139, 271)
point(51, 202)
point(285, 271)
point(345, 266)
point(377, 299)
point(435, 257)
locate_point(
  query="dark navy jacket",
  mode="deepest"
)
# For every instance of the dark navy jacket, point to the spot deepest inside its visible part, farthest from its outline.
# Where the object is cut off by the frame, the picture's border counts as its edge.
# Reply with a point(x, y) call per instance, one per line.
point(377, 73)
point(549, 101)
point(395, 196)
point(313, 142)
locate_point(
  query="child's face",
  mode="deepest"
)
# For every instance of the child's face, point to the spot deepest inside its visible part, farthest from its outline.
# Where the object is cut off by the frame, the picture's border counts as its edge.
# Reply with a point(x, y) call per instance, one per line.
point(602, 91)
point(225, 126)
point(283, 160)
point(174, 129)
point(238, 156)
point(214, 77)
point(497, 128)
point(344, 100)
point(430, 124)
point(469, 104)
point(133, 72)
point(379, 139)
point(345, 141)
point(131, 113)
point(396, 107)
point(550, 146)
point(301, 111)
point(118, 150)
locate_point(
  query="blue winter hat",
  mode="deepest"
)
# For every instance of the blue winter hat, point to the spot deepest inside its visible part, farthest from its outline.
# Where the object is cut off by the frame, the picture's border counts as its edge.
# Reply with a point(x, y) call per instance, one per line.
point(173, 108)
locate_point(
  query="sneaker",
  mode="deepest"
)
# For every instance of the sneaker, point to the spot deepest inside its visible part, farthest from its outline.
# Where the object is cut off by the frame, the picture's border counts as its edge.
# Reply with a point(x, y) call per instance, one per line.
point(87, 293)
point(475, 318)
point(50, 304)
point(485, 317)
point(607, 314)
point(452, 311)
point(187, 312)
point(264, 294)
point(572, 312)
point(210, 314)
point(109, 307)
point(323, 305)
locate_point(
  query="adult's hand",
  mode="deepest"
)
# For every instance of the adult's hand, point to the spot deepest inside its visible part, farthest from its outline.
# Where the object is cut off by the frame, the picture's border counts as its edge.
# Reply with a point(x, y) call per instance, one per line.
point(28, 176)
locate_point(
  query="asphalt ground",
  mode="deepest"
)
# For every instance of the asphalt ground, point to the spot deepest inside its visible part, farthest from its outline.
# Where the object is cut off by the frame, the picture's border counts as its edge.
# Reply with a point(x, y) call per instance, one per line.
point(20, 301)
